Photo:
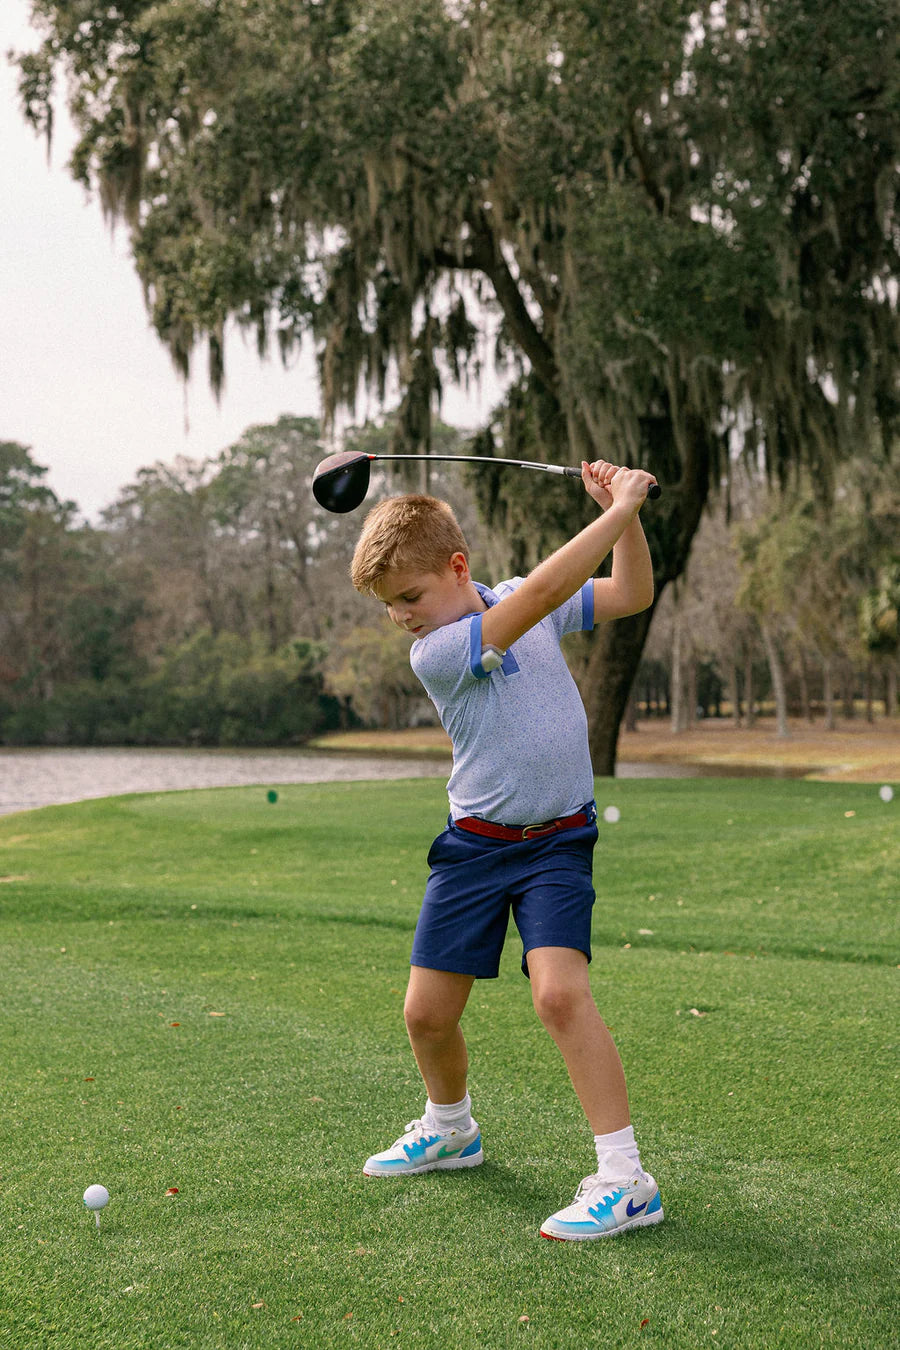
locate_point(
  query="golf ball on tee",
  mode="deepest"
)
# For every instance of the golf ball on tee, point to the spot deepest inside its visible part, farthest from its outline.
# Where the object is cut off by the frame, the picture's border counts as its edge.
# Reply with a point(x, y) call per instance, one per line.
point(95, 1197)
point(611, 815)
point(886, 793)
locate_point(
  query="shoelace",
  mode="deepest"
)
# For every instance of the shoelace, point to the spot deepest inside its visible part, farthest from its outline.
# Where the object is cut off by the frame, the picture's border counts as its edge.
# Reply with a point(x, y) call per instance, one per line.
point(591, 1185)
point(418, 1129)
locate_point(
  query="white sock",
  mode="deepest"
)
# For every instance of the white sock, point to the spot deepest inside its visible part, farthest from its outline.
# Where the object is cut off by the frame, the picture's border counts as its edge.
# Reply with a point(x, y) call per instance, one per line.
point(623, 1142)
point(454, 1116)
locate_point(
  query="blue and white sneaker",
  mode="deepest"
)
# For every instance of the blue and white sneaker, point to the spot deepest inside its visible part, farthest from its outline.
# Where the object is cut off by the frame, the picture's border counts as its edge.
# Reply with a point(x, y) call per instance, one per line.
point(611, 1201)
point(424, 1149)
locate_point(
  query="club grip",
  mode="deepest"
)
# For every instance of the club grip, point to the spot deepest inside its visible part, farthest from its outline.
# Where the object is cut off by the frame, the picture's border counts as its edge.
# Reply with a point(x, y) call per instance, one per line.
point(653, 491)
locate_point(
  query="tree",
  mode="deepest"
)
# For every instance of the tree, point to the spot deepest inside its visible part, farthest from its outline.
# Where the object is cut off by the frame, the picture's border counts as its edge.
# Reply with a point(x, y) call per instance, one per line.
point(818, 577)
point(685, 215)
point(262, 502)
point(164, 524)
point(879, 622)
point(36, 575)
point(697, 624)
point(219, 689)
point(369, 668)
point(22, 492)
point(67, 615)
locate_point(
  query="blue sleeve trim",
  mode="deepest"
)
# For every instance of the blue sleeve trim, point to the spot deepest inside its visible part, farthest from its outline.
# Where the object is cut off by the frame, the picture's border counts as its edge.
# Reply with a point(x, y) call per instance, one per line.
point(475, 645)
point(587, 606)
point(509, 665)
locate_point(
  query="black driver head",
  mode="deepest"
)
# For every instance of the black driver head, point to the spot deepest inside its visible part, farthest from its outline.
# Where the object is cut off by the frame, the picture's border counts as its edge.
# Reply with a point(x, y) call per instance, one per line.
point(341, 481)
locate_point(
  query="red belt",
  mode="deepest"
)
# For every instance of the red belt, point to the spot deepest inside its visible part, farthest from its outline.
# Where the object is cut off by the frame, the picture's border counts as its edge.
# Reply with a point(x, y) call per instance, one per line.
point(519, 832)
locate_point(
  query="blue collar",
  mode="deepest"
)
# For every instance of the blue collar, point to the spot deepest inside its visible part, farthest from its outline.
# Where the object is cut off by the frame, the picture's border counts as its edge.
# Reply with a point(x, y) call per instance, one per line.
point(487, 595)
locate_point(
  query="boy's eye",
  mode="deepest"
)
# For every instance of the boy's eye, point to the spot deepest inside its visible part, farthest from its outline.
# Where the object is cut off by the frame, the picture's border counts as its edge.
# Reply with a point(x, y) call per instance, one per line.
point(402, 600)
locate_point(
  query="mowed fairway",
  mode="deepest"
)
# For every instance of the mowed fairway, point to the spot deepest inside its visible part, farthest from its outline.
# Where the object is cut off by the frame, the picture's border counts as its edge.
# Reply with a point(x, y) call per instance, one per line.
point(204, 990)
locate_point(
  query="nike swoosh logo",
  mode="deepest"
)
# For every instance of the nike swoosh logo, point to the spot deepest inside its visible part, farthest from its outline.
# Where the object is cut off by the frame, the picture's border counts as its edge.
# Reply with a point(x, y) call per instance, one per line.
point(634, 1209)
point(445, 1152)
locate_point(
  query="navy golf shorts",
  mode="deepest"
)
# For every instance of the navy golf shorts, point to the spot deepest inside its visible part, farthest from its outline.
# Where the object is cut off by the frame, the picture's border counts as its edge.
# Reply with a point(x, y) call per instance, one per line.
point(476, 883)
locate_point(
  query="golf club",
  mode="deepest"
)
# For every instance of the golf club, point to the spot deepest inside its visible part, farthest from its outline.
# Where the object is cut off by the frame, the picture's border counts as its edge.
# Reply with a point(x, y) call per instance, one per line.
point(341, 481)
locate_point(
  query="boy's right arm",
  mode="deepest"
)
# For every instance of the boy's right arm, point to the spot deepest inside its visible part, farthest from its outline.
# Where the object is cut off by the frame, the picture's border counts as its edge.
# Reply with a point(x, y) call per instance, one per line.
point(565, 571)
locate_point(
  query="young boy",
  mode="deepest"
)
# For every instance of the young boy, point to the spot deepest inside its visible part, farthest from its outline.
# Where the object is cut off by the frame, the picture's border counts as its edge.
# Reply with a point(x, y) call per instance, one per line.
point(522, 829)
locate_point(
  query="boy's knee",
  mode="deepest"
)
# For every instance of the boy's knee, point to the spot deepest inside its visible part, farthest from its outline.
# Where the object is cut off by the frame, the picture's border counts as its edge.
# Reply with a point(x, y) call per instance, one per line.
point(426, 1021)
point(559, 1005)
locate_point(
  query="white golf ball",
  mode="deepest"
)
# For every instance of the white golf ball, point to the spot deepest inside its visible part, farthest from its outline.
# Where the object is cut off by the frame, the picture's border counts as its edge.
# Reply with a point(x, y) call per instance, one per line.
point(612, 814)
point(95, 1197)
point(886, 793)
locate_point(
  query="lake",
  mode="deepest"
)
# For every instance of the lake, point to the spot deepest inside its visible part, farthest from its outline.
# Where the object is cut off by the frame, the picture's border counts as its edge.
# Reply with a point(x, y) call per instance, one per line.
point(42, 777)
point(30, 778)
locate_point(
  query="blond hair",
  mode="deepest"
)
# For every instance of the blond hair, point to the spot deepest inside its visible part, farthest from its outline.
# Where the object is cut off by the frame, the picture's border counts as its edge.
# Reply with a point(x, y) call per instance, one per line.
point(410, 533)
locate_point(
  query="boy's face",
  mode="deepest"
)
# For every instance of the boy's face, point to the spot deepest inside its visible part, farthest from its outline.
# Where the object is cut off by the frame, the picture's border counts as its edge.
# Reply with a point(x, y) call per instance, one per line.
point(420, 602)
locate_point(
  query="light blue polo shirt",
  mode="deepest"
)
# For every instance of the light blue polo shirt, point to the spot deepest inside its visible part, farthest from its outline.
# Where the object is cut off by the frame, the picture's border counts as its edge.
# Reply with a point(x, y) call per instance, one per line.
point(519, 733)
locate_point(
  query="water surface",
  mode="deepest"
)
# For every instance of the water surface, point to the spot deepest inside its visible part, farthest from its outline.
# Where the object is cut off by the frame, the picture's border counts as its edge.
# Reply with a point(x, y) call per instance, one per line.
point(30, 778)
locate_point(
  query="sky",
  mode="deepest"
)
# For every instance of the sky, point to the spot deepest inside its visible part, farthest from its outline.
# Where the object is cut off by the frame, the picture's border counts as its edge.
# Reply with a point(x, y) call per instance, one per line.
point(84, 380)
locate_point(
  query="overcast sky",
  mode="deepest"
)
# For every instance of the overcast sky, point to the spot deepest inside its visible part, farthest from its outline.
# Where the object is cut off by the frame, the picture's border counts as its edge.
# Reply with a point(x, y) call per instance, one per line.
point(84, 381)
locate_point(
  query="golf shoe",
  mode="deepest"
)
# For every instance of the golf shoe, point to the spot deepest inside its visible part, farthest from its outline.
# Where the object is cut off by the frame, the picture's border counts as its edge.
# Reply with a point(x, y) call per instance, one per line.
point(425, 1149)
point(612, 1200)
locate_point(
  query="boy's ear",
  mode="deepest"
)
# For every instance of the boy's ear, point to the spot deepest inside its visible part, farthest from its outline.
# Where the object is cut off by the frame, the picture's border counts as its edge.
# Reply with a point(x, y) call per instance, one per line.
point(460, 568)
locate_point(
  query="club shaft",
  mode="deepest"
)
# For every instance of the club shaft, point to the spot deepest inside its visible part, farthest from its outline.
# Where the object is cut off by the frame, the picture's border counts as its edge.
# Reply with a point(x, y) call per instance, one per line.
point(565, 469)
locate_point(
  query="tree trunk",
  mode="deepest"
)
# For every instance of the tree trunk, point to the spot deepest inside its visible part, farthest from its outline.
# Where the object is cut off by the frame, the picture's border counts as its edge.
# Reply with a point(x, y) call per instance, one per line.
point(869, 694)
point(805, 700)
point(678, 724)
point(690, 693)
point(615, 654)
point(847, 694)
point(776, 669)
point(828, 693)
point(890, 690)
point(734, 695)
point(748, 686)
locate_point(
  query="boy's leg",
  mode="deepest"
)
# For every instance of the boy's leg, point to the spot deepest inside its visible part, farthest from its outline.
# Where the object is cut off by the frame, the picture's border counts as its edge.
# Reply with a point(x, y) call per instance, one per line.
point(620, 1195)
point(435, 1000)
point(561, 991)
point(446, 1136)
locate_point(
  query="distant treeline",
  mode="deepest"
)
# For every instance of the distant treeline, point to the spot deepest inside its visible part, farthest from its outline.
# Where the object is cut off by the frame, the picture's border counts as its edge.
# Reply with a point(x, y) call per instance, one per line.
point(182, 618)
point(211, 605)
point(209, 690)
point(789, 605)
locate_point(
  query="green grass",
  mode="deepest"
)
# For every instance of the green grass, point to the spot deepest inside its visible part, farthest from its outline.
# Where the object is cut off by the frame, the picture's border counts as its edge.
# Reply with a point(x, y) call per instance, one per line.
point(770, 1120)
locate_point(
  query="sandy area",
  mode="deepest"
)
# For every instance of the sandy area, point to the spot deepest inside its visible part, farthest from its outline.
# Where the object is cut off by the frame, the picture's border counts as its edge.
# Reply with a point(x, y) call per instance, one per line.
point(856, 751)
